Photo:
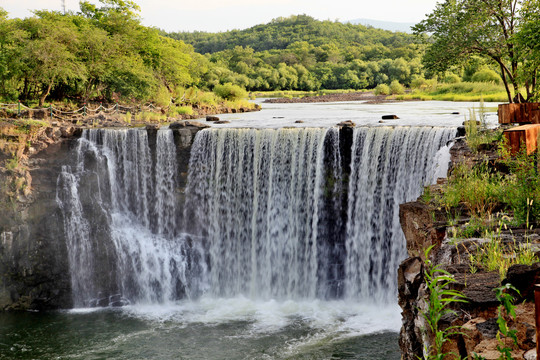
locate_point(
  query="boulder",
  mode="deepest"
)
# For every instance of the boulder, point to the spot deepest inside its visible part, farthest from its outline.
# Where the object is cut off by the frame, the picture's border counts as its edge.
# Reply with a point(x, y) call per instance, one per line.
point(152, 127)
point(177, 125)
point(222, 122)
point(211, 118)
point(347, 123)
point(196, 124)
point(390, 117)
point(299, 121)
point(523, 278)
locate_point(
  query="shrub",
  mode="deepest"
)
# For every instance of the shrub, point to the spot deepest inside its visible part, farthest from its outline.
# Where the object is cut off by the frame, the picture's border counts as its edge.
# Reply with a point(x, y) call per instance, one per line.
point(229, 91)
point(162, 97)
point(419, 82)
point(382, 89)
point(486, 75)
point(181, 110)
point(396, 88)
point(451, 79)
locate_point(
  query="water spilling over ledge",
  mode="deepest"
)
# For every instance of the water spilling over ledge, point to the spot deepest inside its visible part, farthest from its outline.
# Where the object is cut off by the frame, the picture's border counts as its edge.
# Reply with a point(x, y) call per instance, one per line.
point(306, 213)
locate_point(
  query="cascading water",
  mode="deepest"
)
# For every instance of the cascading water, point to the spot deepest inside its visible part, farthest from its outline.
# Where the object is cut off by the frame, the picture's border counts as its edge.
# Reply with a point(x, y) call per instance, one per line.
point(135, 204)
point(271, 214)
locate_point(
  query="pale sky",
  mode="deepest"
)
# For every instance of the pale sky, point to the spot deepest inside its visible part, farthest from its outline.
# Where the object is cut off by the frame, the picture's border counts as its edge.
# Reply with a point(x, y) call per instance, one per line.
point(222, 15)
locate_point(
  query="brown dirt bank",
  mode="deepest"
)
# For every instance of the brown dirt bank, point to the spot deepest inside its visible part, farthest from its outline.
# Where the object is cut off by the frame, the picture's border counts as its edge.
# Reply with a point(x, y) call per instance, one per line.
point(354, 96)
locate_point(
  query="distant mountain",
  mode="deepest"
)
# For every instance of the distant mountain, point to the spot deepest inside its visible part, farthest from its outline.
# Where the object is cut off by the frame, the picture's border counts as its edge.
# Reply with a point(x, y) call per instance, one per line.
point(385, 25)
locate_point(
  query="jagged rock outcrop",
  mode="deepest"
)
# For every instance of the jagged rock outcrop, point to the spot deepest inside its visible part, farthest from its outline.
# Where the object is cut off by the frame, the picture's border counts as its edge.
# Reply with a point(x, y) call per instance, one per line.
point(425, 226)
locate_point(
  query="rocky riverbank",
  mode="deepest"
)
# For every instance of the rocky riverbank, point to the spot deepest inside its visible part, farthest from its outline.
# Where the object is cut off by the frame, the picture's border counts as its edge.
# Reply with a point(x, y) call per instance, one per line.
point(353, 96)
point(476, 331)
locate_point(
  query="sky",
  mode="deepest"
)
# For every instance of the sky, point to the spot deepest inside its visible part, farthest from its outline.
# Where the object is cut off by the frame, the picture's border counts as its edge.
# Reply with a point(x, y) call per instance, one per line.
point(223, 15)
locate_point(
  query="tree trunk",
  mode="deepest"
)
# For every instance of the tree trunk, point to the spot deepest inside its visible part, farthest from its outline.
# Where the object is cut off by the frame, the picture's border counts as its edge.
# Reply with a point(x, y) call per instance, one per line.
point(45, 93)
point(505, 82)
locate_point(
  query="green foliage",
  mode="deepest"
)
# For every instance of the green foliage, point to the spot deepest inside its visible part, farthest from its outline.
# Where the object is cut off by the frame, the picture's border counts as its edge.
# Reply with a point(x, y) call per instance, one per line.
point(148, 116)
point(486, 75)
point(382, 89)
point(229, 91)
point(523, 193)
point(497, 256)
point(301, 53)
point(507, 304)
point(181, 110)
point(101, 52)
point(451, 79)
point(440, 299)
point(457, 31)
point(12, 164)
point(396, 88)
point(463, 91)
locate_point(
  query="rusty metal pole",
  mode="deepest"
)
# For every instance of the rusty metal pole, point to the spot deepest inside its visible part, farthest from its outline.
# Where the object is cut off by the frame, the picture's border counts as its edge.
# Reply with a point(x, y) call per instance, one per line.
point(537, 315)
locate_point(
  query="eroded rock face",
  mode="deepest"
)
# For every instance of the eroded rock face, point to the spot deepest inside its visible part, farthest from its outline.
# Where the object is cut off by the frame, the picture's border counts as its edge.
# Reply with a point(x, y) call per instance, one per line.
point(34, 267)
point(34, 273)
point(479, 315)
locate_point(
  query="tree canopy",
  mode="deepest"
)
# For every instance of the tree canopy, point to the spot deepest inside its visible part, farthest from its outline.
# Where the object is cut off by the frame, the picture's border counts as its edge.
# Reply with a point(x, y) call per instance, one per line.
point(498, 30)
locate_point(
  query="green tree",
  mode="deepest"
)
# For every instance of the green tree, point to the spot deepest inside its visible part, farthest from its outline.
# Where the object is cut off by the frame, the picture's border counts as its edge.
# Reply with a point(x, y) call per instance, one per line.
point(48, 53)
point(487, 28)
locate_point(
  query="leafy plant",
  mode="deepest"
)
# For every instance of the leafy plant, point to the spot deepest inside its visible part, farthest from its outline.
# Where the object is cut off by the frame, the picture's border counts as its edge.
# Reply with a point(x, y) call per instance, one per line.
point(440, 298)
point(507, 304)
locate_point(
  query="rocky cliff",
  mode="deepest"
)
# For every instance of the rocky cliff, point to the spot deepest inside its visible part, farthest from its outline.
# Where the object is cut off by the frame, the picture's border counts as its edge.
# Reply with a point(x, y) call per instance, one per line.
point(425, 226)
point(34, 269)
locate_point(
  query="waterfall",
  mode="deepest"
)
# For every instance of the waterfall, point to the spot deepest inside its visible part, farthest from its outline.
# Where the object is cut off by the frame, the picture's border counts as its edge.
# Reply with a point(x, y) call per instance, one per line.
point(389, 166)
point(303, 213)
point(140, 254)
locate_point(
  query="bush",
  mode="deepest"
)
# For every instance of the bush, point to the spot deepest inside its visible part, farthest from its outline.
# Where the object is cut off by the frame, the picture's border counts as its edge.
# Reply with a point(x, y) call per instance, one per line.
point(419, 82)
point(181, 110)
point(451, 79)
point(229, 91)
point(396, 88)
point(162, 97)
point(382, 89)
point(486, 75)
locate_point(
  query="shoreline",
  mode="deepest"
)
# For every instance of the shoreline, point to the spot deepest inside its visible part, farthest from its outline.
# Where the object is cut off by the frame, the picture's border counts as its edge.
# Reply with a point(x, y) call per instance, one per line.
point(342, 97)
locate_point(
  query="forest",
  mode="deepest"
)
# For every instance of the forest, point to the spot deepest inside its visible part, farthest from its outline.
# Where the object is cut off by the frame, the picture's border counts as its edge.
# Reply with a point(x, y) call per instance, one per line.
point(104, 53)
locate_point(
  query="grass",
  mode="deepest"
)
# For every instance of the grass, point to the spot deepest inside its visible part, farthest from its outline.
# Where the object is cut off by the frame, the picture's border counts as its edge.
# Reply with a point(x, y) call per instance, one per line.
point(148, 116)
point(181, 110)
point(463, 91)
point(497, 255)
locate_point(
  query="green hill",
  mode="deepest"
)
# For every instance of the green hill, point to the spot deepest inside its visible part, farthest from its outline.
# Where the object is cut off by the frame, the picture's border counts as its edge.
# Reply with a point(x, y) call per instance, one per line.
point(302, 53)
point(282, 32)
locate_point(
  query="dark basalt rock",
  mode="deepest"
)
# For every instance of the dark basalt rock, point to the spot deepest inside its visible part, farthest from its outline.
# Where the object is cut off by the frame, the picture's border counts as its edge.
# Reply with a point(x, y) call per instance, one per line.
point(347, 123)
point(523, 278)
point(390, 117)
point(212, 118)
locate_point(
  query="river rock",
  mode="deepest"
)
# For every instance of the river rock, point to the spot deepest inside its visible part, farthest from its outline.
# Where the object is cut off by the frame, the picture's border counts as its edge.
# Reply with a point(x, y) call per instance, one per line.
point(211, 118)
point(152, 126)
point(222, 122)
point(390, 117)
point(347, 123)
point(461, 131)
